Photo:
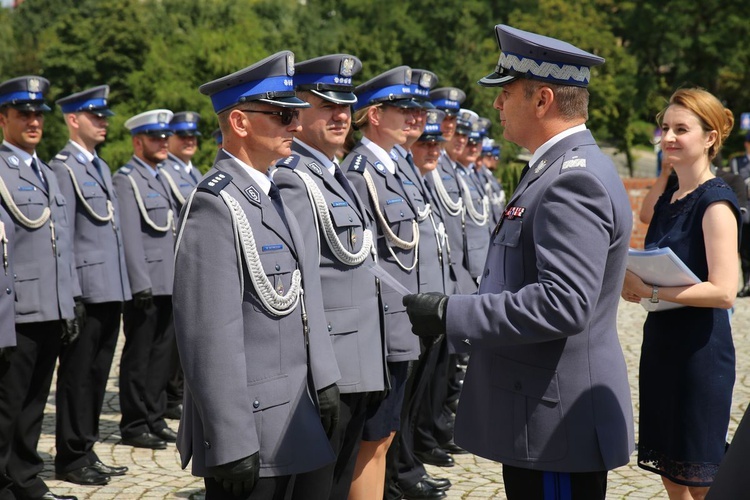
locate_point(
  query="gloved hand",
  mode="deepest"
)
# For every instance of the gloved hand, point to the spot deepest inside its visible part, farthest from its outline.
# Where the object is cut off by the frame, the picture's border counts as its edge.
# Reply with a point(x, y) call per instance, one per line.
point(427, 313)
point(80, 310)
point(238, 477)
point(143, 299)
point(69, 331)
point(329, 401)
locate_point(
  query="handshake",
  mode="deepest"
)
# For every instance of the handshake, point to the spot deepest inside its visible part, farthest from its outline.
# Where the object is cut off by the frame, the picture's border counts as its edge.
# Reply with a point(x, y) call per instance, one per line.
point(427, 313)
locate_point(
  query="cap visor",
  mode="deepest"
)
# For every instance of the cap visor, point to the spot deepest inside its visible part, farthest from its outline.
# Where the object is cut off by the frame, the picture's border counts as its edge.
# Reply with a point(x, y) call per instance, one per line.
point(100, 112)
point(431, 138)
point(336, 97)
point(403, 103)
point(286, 102)
point(31, 106)
point(496, 79)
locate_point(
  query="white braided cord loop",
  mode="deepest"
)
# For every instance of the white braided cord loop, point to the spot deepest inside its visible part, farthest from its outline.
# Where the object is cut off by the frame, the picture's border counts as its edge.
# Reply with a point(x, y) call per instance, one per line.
point(16, 212)
point(144, 212)
point(479, 218)
point(390, 237)
point(89, 208)
point(318, 203)
point(276, 304)
point(424, 213)
point(175, 188)
point(453, 208)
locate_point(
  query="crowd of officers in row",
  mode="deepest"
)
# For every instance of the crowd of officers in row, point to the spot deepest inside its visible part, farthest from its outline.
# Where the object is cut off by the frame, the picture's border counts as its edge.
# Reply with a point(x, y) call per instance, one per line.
point(408, 206)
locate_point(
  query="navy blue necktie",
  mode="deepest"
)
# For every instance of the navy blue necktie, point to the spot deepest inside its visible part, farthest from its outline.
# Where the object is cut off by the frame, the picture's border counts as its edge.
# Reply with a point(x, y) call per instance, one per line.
point(275, 196)
point(38, 171)
point(98, 166)
point(341, 178)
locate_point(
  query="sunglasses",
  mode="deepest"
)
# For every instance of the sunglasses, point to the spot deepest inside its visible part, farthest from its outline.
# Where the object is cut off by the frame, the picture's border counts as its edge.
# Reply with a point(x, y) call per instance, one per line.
point(286, 115)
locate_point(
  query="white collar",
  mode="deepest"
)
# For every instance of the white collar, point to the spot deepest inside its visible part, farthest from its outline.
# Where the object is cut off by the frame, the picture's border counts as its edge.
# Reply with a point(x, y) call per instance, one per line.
point(261, 179)
point(83, 150)
point(381, 154)
point(554, 140)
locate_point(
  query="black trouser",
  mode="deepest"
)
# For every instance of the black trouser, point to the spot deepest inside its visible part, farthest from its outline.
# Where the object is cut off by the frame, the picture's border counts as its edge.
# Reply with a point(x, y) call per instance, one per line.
point(24, 387)
point(745, 253)
point(267, 488)
point(334, 480)
point(527, 484)
point(176, 382)
point(432, 427)
point(81, 385)
point(144, 366)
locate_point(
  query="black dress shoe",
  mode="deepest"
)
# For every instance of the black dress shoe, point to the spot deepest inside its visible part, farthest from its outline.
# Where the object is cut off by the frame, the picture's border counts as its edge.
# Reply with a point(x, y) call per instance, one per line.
point(745, 291)
point(109, 470)
point(51, 496)
point(436, 456)
point(453, 448)
point(423, 491)
point(145, 440)
point(87, 476)
point(439, 483)
point(174, 412)
point(166, 434)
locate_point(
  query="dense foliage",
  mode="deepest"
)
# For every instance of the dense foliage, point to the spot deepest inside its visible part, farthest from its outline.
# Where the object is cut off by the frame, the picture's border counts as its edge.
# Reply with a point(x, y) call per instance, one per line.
point(155, 53)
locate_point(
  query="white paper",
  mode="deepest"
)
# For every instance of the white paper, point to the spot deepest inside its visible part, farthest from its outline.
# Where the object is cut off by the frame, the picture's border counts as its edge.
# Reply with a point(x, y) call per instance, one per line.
point(660, 267)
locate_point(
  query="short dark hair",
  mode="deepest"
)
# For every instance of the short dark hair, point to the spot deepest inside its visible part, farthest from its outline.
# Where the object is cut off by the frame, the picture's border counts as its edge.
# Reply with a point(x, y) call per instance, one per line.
point(572, 101)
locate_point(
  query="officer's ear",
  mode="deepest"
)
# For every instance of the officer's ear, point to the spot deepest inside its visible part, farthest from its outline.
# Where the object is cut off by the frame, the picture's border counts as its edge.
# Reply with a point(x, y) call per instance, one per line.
point(543, 99)
point(239, 122)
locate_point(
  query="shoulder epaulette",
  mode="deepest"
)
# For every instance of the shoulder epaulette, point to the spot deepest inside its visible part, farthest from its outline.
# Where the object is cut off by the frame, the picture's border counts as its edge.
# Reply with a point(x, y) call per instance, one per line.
point(62, 155)
point(574, 159)
point(125, 170)
point(289, 162)
point(215, 183)
point(358, 163)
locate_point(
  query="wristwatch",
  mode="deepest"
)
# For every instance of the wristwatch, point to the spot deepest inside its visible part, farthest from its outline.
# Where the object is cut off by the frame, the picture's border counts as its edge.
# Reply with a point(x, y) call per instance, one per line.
point(654, 295)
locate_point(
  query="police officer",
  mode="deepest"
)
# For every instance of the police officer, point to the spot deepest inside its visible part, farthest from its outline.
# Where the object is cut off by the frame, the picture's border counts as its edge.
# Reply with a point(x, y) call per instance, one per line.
point(334, 220)
point(92, 209)
point(484, 169)
point(44, 283)
point(248, 308)
point(7, 294)
point(383, 112)
point(148, 214)
point(179, 171)
point(405, 471)
point(543, 327)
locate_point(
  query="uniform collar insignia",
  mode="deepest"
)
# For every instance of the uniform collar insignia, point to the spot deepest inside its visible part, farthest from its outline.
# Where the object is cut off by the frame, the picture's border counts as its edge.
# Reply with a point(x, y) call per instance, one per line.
point(13, 160)
point(539, 167)
point(253, 195)
point(380, 167)
point(81, 158)
point(314, 167)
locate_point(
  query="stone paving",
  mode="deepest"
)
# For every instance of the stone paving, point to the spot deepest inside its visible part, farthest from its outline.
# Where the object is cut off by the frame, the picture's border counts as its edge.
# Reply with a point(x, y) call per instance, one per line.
point(157, 474)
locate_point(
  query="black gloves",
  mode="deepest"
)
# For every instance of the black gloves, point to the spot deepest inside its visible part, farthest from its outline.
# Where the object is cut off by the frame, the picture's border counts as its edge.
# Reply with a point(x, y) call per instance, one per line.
point(143, 299)
point(328, 399)
point(238, 477)
point(69, 331)
point(427, 313)
point(80, 310)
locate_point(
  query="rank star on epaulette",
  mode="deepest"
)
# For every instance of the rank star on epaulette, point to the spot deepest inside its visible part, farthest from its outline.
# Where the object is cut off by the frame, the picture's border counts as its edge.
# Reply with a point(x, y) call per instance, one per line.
point(573, 163)
point(357, 162)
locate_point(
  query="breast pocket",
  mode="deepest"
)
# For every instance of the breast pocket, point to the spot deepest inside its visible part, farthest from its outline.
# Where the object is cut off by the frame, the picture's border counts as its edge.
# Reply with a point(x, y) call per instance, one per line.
point(156, 208)
point(95, 198)
point(278, 265)
point(30, 202)
point(399, 216)
point(348, 227)
point(528, 399)
point(508, 247)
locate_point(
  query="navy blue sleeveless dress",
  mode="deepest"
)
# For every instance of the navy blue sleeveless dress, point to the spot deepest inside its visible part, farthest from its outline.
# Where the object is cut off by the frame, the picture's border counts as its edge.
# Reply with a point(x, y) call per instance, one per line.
point(687, 357)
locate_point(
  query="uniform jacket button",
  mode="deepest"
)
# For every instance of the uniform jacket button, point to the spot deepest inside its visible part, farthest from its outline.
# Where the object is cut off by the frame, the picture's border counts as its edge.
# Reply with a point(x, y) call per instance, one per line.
point(256, 404)
point(278, 267)
point(207, 445)
point(330, 328)
point(385, 307)
point(8, 291)
point(486, 272)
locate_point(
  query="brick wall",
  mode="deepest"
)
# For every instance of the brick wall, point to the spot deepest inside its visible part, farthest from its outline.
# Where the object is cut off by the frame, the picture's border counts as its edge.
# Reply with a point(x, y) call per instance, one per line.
point(637, 187)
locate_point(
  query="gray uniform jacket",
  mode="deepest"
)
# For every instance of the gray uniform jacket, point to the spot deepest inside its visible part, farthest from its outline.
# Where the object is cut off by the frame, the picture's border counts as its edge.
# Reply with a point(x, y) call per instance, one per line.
point(454, 223)
point(7, 295)
point(350, 295)
point(433, 268)
point(97, 244)
point(45, 281)
point(149, 252)
point(394, 206)
point(547, 387)
point(492, 188)
point(476, 235)
point(246, 369)
point(184, 181)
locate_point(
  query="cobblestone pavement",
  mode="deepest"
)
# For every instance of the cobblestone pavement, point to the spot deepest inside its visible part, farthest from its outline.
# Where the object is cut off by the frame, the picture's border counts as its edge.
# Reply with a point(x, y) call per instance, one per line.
point(157, 474)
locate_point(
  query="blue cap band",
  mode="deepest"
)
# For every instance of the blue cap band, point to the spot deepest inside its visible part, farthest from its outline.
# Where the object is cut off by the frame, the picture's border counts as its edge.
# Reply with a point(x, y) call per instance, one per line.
point(184, 126)
point(86, 105)
point(420, 91)
point(151, 126)
point(21, 96)
point(447, 104)
point(231, 96)
point(383, 94)
point(325, 79)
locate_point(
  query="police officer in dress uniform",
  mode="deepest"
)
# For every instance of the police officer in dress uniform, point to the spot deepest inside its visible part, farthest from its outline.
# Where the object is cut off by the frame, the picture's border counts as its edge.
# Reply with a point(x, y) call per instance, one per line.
point(543, 326)
point(92, 209)
point(182, 177)
point(148, 215)
point(384, 113)
point(484, 169)
point(260, 371)
point(334, 220)
point(45, 284)
point(406, 474)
